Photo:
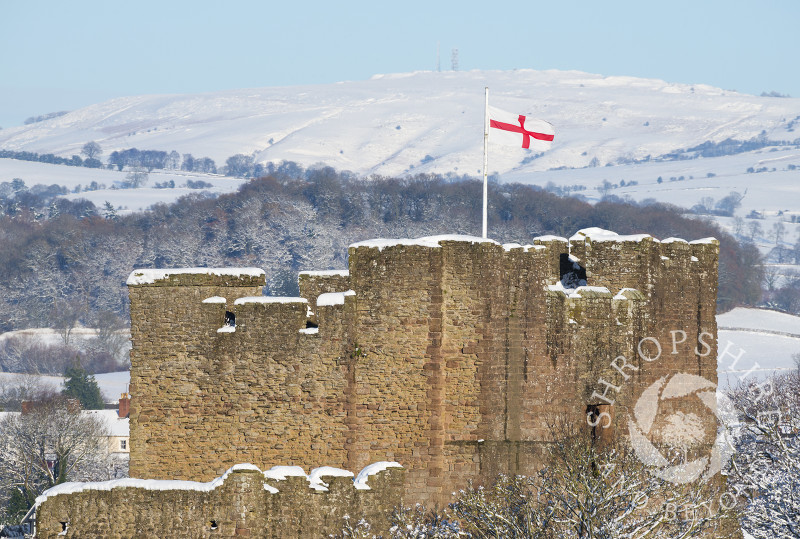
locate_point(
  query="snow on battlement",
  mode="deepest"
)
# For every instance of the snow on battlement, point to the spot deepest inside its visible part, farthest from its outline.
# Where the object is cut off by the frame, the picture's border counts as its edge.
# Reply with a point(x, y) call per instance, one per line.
point(276, 473)
point(325, 273)
point(427, 241)
point(269, 299)
point(601, 235)
point(152, 276)
point(233, 504)
point(333, 298)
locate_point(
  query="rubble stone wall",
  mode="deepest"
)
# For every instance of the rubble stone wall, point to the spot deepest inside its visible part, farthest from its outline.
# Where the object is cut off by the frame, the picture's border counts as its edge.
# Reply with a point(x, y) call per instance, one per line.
point(245, 503)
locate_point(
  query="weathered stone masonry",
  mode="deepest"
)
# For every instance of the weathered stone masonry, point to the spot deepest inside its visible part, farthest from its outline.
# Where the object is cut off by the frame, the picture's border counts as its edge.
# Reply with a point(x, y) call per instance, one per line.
point(446, 358)
point(245, 502)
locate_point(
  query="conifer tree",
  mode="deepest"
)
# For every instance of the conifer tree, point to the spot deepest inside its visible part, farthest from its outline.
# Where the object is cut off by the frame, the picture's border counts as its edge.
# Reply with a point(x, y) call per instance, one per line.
point(81, 385)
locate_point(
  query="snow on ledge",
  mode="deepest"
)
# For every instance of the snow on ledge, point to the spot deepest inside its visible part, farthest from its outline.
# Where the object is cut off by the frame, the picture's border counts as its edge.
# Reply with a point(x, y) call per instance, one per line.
point(674, 240)
point(147, 484)
point(215, 299)
point(269, 299)
point(427, 241)
point(280, 473)
point(596, 234)
point(579, 292)
point(150, 276)
point(363, 476)
point(333, 298)
point(276, 473)
point(525, 248)
point(309, 331)
point(704, 241)
point(227, 329)
point(326, 273)
point(315, 477)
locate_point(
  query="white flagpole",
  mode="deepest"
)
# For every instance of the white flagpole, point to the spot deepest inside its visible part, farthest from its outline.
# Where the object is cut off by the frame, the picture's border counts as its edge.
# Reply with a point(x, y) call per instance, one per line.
point(486, 166)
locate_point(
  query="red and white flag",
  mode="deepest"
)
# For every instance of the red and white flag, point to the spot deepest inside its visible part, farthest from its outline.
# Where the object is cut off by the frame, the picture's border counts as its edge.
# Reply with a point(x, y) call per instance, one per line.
point(520, 131)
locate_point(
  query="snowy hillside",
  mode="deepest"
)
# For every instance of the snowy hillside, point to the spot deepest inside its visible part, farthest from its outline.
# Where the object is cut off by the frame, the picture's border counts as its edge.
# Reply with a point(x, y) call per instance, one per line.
point(420, 122)
point(432, 122)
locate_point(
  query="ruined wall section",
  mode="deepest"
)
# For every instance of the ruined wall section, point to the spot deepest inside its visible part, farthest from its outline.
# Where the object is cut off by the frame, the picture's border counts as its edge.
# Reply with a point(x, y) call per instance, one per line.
point(172, 331)
point(245, 502)
point(264, 391)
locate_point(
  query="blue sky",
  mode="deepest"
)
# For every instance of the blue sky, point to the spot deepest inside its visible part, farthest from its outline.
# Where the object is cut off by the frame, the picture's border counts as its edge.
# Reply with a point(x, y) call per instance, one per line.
point(58, 55)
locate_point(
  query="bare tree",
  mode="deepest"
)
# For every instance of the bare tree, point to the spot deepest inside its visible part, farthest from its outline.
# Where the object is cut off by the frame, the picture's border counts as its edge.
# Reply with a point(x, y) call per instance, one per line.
point(51, 443)
point(738, 226)
point(136, 177)
point(754, 227)
point(588, 490)
point(65, 316)
point(91, 150)
point(111, 334)
point(778, 231)
point(771, 275)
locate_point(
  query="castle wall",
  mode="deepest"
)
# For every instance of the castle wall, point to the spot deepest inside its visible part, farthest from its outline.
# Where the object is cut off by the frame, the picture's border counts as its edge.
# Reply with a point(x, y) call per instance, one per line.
point(314, 283)
point(245, 502)
point(451, 355)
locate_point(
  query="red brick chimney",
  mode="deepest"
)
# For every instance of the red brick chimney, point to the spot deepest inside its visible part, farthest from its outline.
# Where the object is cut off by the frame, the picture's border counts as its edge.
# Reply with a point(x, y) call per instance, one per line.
point(124, 405)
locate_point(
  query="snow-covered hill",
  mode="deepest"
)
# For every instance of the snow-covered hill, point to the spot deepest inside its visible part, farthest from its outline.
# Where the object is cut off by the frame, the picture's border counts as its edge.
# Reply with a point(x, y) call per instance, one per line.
point(433, 122)
point(421, 122)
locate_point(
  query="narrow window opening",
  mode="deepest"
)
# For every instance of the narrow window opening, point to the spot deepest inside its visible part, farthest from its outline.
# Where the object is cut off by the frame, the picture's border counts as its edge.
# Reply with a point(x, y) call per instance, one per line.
point(213, 524)
point(572, 274)
point(230, 319)
point(64, 525)
point(600, 418)
point(310, 324)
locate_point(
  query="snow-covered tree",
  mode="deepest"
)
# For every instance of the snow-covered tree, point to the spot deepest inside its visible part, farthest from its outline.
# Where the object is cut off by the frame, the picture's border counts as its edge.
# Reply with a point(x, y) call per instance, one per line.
point(589, 490)
point(585, 489)
point(765, 470)
point(49, 444)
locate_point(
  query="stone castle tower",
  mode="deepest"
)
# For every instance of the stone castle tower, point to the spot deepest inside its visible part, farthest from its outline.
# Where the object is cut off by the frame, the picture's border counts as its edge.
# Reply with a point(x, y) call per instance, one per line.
point(445, 354)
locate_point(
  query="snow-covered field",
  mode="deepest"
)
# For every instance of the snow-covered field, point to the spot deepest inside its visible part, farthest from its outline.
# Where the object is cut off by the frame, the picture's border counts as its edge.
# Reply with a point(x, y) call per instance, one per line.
point(125, 200)
point(756, 342)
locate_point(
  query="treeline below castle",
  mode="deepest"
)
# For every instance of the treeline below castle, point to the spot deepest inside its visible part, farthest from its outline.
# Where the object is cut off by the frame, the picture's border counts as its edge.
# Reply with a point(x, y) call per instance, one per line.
point(77, 260)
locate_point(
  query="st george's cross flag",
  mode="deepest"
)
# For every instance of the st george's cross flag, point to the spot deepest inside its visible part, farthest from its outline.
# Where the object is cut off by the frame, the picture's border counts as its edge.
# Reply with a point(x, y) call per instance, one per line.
point(519, 130)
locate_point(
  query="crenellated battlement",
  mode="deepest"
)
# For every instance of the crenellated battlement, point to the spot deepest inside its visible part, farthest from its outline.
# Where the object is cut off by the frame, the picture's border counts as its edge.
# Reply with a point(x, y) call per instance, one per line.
point(283, 501)
point(441, 353)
